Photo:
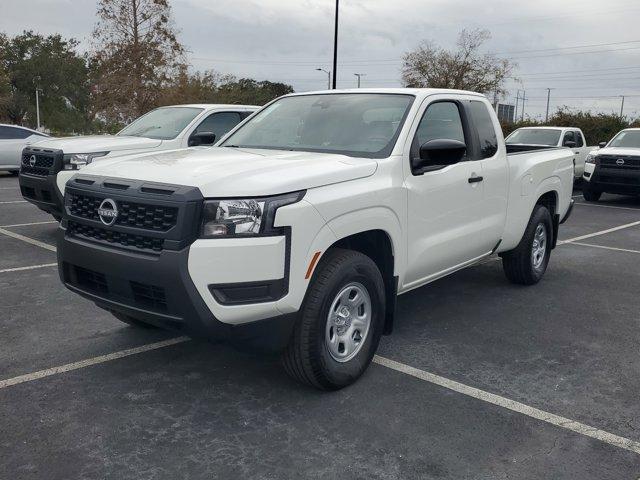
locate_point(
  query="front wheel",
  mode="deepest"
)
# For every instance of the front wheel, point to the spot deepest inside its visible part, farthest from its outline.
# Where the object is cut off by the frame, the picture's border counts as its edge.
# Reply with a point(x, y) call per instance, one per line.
point(526, 264)
point(340, 322)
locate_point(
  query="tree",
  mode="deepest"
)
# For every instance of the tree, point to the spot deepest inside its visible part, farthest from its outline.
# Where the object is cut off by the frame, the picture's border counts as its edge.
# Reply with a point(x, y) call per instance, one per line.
point(464, 68)
point(251, 92)
point(51, 64)
point(135, 59)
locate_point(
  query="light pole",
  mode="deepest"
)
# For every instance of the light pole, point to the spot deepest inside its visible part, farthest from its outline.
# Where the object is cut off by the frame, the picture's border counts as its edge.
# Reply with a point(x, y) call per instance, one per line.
point(360, 75)
point(37, 111)
point(524, 98)
point(335, 48)
point(328, 77)
point(546, 117)
point(515, 115)
point(622, 107)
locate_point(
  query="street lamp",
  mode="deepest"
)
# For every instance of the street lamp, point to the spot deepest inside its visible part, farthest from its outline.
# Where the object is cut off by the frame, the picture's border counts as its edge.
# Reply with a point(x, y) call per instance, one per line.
point(328, 77)
point(359, 75)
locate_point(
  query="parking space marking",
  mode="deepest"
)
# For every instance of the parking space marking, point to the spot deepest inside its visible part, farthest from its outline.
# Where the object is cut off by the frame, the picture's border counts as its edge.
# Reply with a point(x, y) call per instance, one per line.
point(27, 224)
point(596, 234)
point(32, 241)
point(13, 201)
point(9, 188)
point(606, 206)
point(29, 377)
point(514, 406)
point(32, 267)
point(605, 247)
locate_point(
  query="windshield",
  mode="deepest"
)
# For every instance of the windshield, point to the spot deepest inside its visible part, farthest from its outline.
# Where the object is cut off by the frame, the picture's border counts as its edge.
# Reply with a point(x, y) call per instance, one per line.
point(162, 123)
point(535, 136)
point(628, 139)
point(355, 124)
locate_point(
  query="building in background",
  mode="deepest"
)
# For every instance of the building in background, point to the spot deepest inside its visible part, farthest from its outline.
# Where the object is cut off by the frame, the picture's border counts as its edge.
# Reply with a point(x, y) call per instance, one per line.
point(506, 112)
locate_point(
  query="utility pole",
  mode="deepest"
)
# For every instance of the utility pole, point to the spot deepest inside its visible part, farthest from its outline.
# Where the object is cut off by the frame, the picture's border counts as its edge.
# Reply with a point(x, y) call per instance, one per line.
point(546, 117)
point(524, 97)
point(622, 107)
point(335, 48)
point(328, 77)
point(515, 114)
point(37, 110)
point(360, 75)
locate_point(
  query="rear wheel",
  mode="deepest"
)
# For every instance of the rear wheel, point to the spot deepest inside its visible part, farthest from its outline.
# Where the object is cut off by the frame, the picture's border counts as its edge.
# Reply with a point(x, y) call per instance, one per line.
point(134, 322)
point(340, 322)
point(590, 194)
point(526, 264)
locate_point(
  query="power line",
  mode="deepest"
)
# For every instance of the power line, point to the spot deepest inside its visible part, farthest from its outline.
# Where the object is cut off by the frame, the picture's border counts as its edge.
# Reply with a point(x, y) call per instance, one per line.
point(566, 48)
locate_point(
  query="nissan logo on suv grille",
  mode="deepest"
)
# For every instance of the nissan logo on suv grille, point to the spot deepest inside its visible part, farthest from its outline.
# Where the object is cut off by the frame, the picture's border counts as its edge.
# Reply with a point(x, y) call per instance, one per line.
point(32, 160)
point(108, 212)
point(620, 161)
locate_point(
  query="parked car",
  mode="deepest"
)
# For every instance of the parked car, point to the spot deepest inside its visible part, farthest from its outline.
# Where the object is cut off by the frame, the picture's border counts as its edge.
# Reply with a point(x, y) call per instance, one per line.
point(13, 139)
point(614, 168)
point(47, 167)
point(297, 232)
point(544, 137)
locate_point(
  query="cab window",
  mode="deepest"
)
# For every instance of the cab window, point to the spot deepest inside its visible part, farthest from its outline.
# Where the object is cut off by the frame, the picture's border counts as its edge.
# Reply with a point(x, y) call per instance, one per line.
point(483, 122)
point(219, 123)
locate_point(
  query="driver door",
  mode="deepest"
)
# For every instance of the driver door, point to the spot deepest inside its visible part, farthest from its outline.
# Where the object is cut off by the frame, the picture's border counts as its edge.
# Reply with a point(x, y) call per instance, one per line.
point(444, 205)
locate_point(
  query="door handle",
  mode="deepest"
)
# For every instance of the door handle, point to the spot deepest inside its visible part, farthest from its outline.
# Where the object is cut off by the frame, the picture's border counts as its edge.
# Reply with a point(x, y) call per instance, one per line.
point(475, 179)
point(577, 153)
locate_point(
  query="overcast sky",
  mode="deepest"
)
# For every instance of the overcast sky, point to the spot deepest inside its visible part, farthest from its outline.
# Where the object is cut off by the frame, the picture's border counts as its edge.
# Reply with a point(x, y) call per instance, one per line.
point(286, 40)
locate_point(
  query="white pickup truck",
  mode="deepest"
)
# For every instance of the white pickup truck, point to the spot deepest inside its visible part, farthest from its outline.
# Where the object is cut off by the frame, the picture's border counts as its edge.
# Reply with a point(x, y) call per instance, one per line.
point(46, 166)
point(298, 231)
point(528, 138)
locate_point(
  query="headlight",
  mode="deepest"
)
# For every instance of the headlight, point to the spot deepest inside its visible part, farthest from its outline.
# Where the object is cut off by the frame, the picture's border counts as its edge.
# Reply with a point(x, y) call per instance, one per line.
point(243, 217)
point(78, 160)
point(590, 159)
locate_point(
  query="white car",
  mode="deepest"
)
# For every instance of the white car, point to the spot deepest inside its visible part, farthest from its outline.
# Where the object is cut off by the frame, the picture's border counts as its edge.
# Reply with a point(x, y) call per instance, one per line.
point(47, 167)
point(13, 139)
point(544, 137)
point(297, 232)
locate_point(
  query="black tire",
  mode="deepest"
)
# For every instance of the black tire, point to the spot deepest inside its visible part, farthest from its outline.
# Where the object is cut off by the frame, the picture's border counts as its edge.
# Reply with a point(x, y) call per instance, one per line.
point(134, 322)
point(518, 264)
point(56, 217)
point(307, 358)
point(589, 194)
point(14, 173)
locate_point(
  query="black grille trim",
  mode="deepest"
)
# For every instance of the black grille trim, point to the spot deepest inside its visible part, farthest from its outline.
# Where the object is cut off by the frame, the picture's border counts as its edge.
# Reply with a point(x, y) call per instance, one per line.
point(130, 214)
point(112, 237)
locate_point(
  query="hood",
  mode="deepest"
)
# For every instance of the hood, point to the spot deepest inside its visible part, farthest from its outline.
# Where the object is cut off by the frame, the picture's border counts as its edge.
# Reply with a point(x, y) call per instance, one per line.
point(618, 151)
point(225, 171)
point(99, 143)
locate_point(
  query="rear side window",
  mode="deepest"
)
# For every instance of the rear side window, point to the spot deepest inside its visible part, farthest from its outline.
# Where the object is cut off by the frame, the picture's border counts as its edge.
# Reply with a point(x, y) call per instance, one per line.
point(441, 121)
point(579, 140)
point(486, 130)
point(13, 133)
point(219, 123)
point(568, 137)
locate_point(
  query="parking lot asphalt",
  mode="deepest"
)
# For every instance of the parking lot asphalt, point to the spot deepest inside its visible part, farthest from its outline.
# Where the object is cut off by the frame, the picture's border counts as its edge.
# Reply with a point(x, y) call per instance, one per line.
point(566, 347)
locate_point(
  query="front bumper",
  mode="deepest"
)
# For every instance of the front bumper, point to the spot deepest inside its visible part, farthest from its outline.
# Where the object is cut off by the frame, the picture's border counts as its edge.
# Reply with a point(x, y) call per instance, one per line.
point(42, 192)
point(611, 178)
point(158, 289)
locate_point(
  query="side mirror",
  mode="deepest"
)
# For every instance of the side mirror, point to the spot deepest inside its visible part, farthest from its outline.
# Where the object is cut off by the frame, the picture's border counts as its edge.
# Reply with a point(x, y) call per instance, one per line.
point(202, 138)
point(439, 153)
point(602, 144)
point(570, 144)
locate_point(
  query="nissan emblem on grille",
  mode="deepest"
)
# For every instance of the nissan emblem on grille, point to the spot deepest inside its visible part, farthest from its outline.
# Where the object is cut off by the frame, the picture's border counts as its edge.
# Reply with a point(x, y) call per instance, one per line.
point(32, 160)
point(108, 212)
point(620, 161)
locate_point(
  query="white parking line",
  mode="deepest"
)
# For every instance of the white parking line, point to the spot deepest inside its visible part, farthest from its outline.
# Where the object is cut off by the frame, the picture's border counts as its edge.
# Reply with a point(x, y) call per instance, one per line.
point(596, 234)
point(607, 206)
point(32, 267)
point(606, 248)
point(27, 224)
point(29, 377)
point(9, 188)
point(512, 405)
point(32, 241)
point(13, 201)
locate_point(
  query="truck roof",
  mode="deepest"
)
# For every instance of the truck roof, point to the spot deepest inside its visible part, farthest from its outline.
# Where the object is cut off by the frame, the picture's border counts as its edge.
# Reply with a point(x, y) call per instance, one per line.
point(211, 105)
point(418, 92)
point(548, 128)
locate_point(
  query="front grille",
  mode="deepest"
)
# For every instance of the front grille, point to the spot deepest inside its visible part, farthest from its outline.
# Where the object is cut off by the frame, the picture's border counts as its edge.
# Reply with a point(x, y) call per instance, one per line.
point(130, 214)
point(128, 240)
point(149, 296)
point(611, 162)
point(43, 161)
point(40, 172)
